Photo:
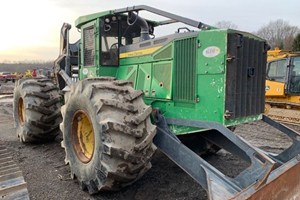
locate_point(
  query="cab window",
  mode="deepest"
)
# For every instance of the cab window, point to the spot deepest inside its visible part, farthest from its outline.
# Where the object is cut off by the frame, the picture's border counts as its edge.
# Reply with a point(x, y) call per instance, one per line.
point(109, 42)
point(296, 67)
point(88, 46)
point(295, 76)
point(277, 70)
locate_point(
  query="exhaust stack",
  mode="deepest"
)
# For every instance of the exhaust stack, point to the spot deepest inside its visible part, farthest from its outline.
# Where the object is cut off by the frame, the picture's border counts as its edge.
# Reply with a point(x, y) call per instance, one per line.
point(141, 22)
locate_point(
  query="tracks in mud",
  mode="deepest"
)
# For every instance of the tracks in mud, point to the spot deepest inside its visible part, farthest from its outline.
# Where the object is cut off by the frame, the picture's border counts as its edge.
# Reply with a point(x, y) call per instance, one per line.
point(12, 183)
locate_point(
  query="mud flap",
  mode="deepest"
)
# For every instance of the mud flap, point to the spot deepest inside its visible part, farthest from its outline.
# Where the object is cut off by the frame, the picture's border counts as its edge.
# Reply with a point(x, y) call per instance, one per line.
point(268, 177)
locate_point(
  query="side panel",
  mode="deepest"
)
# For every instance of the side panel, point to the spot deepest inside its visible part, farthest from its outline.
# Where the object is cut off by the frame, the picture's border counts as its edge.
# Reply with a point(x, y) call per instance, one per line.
point(198, 79)
point(144, 78)
point(161, 85)
point(128, 72)
point(211, 76)
point(274, 88)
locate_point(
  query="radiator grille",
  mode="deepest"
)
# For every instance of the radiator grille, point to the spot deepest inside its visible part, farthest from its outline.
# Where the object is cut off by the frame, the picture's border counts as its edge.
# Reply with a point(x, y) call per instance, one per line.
point(185, 70)
point(245, 75)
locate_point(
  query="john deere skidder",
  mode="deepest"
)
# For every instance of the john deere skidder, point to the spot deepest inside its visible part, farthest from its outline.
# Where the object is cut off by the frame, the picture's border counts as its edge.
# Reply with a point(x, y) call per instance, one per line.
point(127, 92)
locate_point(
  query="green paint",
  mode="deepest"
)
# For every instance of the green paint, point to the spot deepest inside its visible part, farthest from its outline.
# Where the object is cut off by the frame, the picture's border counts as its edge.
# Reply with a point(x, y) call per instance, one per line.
point(185, 79)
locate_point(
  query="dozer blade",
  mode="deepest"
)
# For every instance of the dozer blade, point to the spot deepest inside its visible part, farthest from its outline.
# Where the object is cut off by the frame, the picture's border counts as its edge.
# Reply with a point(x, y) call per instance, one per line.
point(289, 116)
point(269, 176)
point(283, 183)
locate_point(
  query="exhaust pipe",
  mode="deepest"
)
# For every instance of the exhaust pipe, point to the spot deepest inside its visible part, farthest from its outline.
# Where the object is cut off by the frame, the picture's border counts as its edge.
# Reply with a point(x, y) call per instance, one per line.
point(141, 22)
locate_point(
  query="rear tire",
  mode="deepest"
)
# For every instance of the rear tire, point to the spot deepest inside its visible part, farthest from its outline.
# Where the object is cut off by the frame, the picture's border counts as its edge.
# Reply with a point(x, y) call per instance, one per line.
point(107, 134)
point(36, 110)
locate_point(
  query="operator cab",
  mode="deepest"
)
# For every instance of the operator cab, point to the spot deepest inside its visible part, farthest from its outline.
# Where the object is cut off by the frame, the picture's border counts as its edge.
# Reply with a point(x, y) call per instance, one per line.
point(286, 70)
point(119, 31)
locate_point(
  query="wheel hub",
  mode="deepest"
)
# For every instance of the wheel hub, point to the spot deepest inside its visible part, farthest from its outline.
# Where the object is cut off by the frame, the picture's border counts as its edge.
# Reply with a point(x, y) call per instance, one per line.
point(83, 136)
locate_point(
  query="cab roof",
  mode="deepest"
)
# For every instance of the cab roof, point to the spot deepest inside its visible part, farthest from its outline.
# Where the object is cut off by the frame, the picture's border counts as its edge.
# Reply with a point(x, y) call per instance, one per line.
point(172, 18)
point(87, 18)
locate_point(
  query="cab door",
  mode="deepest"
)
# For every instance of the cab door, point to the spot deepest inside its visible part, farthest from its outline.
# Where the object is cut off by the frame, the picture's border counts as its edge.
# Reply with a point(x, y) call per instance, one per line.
point(88, 54)
point(276, 77)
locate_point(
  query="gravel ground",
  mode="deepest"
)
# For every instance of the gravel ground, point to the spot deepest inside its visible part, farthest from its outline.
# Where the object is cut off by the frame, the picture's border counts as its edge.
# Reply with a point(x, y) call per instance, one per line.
point(49, 178)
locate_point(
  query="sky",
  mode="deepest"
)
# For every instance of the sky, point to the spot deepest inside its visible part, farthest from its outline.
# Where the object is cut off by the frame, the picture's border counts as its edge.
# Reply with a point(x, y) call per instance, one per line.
point(30, 28)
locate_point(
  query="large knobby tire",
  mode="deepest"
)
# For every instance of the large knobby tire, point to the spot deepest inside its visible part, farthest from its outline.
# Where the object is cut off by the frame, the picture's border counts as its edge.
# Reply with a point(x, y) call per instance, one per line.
point(36, 110)
point(107, 134)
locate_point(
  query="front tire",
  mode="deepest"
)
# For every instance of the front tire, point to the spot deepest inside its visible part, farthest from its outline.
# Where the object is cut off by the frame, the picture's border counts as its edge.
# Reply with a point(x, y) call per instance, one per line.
point(107, 134)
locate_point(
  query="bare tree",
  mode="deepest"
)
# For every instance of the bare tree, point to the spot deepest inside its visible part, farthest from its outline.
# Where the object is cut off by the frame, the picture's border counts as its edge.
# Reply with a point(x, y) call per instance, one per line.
point(279, 33)
point(226, 24)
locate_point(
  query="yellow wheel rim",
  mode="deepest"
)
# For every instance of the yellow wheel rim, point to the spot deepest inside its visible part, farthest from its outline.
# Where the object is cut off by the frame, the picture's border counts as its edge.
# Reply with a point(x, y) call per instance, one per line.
point(21, 111)
point(83, 136)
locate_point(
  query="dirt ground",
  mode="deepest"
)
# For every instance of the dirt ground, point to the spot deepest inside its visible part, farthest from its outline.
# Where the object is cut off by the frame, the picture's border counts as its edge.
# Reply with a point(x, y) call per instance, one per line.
point(49, 178)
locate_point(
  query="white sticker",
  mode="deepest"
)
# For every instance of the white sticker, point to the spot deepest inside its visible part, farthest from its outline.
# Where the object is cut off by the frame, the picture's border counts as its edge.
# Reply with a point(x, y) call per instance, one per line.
point(211, 51)
point(85, 71)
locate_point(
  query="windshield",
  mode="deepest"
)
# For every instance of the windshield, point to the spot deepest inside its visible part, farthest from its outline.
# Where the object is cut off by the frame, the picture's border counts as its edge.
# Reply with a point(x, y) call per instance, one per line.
point(295, 75)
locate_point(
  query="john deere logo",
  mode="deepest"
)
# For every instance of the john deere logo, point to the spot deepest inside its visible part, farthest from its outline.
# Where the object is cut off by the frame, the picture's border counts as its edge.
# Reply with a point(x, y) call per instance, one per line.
point(211, 51)
point(85, 71)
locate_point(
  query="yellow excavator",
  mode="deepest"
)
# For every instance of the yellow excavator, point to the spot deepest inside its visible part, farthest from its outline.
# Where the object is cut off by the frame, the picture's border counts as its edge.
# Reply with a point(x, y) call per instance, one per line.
point(283, 86)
